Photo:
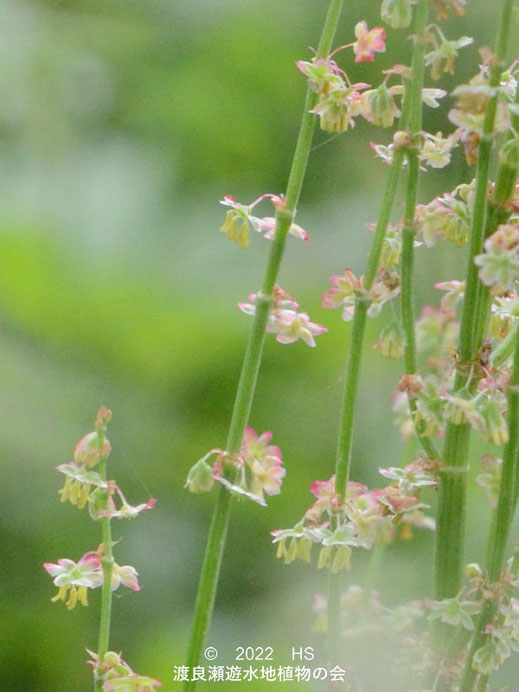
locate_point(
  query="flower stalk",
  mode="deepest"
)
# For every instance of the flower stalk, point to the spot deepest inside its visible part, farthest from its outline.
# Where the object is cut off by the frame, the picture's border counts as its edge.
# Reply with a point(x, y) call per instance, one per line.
point(247, 383)
point(107, 562)
point(354, 358)
point(500, 531)
point(451, 506)
point(416, 84)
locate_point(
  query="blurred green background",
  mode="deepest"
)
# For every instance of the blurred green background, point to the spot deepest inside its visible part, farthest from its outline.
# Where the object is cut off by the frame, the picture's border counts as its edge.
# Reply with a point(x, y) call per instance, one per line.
point(121, 126)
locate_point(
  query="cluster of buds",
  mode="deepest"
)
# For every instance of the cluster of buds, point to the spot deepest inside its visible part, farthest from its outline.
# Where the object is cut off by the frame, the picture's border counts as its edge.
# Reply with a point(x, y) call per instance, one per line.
point(347, 290)
point(284, 320)
point(239, 220)
point(257, 469)
point(117, 675)
point(363, 518)
point(499, 264)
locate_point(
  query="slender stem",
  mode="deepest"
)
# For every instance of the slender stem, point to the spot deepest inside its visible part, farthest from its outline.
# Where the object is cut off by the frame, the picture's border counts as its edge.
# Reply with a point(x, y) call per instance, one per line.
point(451, 511)
point(107, 562)
point(246, 386)
point(408, 231)
point(354, 357)
point(500, 530)
point(506, 348)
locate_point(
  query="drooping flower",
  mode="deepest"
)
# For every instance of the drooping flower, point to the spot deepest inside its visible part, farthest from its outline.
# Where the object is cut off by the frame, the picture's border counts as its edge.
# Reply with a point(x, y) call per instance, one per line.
point(346, 287)
point(368, 42)
point(338, 110)
point(455, 291)
point(323, 75)
point(74, 578)
point(284, 320)
point(125, 510)
point(78, 483)
point(290, 326)
point(239, 220)
point(444, 52)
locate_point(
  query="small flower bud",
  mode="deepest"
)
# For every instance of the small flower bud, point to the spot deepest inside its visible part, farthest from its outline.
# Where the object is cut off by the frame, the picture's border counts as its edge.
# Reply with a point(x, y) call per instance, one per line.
point(401, 140)
point(200, 478)
point(88, 452)
point(104, 416)
point(473, 571)
point(391, 342)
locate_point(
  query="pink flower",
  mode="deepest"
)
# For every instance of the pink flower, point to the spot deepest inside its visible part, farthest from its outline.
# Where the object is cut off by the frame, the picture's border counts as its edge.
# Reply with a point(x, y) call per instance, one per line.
point(258, 446)
point(268, 475)
point(125, 575)
point(368, 42)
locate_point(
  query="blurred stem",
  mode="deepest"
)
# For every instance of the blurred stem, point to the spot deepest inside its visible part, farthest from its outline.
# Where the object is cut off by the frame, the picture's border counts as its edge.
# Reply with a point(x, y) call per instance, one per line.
point(354, 357)
point(247, 383)
point(506, 348)
point(500, 531)
point(408, 233)
point(451, 504)
point(107, 562)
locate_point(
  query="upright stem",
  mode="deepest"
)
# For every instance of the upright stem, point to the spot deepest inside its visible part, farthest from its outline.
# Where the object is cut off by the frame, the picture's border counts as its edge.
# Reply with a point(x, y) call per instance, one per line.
point(408, 231)
point(247, 383)
point(451, 510)
point(354, 359)
point(107, 562)
point(500, 532)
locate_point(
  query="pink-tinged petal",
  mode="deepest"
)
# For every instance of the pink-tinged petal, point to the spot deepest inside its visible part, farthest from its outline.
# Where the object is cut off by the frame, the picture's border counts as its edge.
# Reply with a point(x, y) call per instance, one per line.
point(368, 42)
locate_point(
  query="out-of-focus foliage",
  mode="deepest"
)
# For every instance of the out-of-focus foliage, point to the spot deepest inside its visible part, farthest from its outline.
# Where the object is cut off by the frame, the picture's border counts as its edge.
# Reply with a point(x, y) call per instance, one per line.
point(121, 125)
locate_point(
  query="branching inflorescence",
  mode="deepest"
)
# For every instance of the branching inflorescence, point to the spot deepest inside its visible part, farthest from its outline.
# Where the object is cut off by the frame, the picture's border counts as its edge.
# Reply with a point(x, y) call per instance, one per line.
point(460, 372)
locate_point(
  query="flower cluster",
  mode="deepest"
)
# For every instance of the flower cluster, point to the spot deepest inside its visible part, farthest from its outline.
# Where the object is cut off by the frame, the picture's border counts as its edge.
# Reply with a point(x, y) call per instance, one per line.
point(257, 469)
point(239, 220)
point(117, 675)
point(339, 101)
point(347, 289)
point(363, 518)
point(502, 633)
point(447, 216)
point(85, 486)
point(284, 320)
point(86, 483)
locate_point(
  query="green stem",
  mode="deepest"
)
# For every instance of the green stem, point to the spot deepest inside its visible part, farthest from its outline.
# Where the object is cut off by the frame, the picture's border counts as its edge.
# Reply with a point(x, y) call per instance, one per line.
point(247, 383)
point(107, 562)
point(408, 232)
point(451, 511)
point(500, 531)
point(354, 357)
point(506, 348)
